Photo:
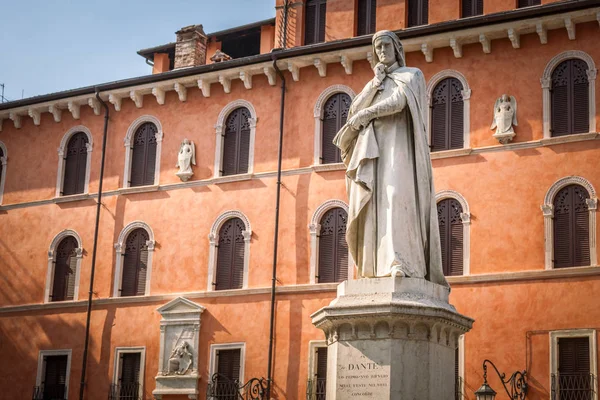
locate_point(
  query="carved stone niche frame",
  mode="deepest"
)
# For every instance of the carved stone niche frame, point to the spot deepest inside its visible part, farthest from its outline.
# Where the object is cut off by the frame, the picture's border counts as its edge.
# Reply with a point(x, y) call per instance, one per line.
point(180, 323)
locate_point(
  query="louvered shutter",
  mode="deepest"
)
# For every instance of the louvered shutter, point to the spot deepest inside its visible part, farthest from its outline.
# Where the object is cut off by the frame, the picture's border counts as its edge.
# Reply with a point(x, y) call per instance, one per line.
point(236, 143)
point(333, 249)
point(321, 373)
point(451, 236)
point(571, 227)
point(75, 164)
point(1, 165)
point(229, 364)
point(230, 255)
point(574, 379)
point(335, 115)
point(529, 3)
point(457, 395)
point(314, 21)
point(570, 98)
point(143, 158)
point(65, 266)
point(129, 379)
point(133, 282)
point(366, 17)
point(418, 11)
point(447, 116)
point(471, 8)
point(55, 377)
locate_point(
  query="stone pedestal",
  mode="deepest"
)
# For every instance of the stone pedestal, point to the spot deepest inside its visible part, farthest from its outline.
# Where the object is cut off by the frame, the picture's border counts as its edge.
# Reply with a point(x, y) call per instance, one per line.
point(391, 338)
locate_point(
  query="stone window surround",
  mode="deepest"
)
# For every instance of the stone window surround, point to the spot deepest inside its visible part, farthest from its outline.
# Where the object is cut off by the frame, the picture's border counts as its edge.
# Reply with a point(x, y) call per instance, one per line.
point(591, 335)
point(213, 241)
point(313, 345)
point(546, 82)
point(40, 367)
point(465, 216)
point(314, 228)
point(3, 160)
point(466, 94)
point(461, 365)
point(117, 365)
point(52, 262)
point(318, 114)
point(227, 346)
point(548, 212)
point(128, 150)
point(60, 177)
point(220, 132)
point(120, 248)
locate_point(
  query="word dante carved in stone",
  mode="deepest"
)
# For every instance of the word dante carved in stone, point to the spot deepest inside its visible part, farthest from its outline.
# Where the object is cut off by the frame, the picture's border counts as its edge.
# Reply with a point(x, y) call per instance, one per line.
point(360, 366)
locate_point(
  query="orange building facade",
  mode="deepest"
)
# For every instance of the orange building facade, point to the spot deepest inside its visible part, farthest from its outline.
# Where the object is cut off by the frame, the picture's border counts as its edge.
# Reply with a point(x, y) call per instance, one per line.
point(524, 302)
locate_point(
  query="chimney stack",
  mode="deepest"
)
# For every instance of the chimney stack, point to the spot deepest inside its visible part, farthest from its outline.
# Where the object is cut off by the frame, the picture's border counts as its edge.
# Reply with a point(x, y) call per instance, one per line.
point(190, 49)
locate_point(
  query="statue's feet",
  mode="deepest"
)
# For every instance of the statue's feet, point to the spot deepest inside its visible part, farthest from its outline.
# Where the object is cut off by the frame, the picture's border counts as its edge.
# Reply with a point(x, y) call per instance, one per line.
point(396, 271)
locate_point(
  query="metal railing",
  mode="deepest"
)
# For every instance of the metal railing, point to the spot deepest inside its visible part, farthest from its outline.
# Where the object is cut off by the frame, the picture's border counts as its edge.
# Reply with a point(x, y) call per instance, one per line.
point(573, 386)
point(316, 389)
point(49, 392)
point(125, 391)
point(222, 388)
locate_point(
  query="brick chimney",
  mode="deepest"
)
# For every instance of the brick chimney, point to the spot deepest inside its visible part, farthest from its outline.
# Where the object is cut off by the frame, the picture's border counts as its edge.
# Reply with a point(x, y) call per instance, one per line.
point(190, 49)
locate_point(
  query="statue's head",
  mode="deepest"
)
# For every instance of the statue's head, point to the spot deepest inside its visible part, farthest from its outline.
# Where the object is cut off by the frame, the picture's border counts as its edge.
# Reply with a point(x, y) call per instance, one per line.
point(387, 48)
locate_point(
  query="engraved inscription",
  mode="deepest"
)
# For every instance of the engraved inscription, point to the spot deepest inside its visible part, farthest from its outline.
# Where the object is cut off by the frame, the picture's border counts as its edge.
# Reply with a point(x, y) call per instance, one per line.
point(362, 378)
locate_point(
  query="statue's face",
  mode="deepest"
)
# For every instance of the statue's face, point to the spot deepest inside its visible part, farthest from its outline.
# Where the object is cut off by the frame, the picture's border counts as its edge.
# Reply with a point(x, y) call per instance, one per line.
point(384, 48)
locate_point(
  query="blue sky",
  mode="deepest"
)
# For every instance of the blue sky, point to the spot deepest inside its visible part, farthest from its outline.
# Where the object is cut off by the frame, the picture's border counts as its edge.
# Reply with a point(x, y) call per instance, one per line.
point(49, 46)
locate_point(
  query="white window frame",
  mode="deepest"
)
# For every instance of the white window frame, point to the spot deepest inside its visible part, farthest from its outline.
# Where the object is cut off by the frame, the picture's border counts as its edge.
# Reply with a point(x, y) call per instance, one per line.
point(546, 82)
point(41, 371)
point(570, 333)
point(465, 217)
point(319, 111)
point(548, 212)
point(3, 160)
point(227, 346)
point(60, 178)
point(466, 94)
point(117, 363)
point(120, 248)
point(313, 345)
point(129, 151)
point(220, 133)
point(461, 365)
point(52, 263)
point(213, 241)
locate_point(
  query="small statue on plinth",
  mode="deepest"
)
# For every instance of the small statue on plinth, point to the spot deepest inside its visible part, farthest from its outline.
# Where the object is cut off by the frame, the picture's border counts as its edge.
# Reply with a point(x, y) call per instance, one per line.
point(505, 116)
point(185, 159)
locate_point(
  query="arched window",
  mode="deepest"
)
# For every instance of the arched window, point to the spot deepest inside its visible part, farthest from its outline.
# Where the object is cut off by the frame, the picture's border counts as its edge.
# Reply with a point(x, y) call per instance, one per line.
point(571, 227)
point(418, 12)
point(143, 157)
point(135, 263)
point(230, 255)
point(236, 143)
point(451, 236)
point(569, 98)
point(314, 21)
point(447, 115)
point(65, 270)
point(333, 249)
point(367, 11)
point(335, 114)
point(75, 159)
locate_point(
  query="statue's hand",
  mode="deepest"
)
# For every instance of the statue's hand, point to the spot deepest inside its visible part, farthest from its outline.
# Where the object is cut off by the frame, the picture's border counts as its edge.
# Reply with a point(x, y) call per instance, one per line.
point(360, 119)
point(379, 71)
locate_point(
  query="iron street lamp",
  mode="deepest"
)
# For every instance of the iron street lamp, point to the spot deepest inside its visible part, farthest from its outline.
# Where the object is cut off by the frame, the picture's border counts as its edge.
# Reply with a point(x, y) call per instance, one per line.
point(517, 384)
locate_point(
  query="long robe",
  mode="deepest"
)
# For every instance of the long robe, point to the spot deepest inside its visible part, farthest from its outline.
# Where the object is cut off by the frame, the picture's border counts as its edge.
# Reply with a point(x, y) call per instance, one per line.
point(392, 217)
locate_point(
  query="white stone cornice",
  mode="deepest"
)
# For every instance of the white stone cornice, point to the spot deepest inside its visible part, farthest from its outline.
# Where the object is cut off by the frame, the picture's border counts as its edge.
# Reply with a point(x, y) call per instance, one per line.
point(570, 25)
point(347, 64)
point(204, 86)
point(427, 52)
point(321, 67)
point(95, 105)
point(137, 98)
point(74, 109)
point(515, 38)
point(485, 43)
point(295, 70)
point(226, 83)
point(542, 32)
point(270, 73)
point(16, 119)
point(35, 115)
point(246, 77)
point(181, 91)
point(159, 93)
point(115, 100)
point(456, 47)
point(55, 111)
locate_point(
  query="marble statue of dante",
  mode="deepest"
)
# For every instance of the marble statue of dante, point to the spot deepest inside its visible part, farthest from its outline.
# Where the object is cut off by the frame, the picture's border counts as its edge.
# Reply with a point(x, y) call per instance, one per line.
point(392, 225)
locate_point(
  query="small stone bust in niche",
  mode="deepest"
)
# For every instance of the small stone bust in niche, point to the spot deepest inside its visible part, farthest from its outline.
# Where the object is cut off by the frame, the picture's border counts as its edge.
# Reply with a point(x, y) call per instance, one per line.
point(185, 159)
point(181, 359)
point(505, 116)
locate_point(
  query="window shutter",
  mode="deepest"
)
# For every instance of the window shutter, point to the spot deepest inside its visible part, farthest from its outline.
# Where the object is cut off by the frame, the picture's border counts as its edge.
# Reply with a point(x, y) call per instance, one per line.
point(570, 98)
point(230, 255)
point(581, 121)
point(333, 249)
point(64, 270)
point(143, 159)
point(366, 17)
point(55, 377)
point(1, 165)
point(447, 118)
point(133, 282)
point(574, 377)
point(75, 164)
point(335, 115)
point(471, 8)
point(130, 368)
point(142, 270)
point(229, 364)
point(321, 373)
point(456, 376)
point(314, 24)
point(529, 3)
point(72, 271)
point(236, 143)
point(571, 227)
point(418, 11)
point(322, 15)
point(451, 236)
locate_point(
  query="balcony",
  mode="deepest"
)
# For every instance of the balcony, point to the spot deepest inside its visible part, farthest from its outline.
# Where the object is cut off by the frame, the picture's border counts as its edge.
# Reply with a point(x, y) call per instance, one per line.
point(49, 392)
point(316, 389)
point(573, 386)
point(126, 391)
point(222, 388)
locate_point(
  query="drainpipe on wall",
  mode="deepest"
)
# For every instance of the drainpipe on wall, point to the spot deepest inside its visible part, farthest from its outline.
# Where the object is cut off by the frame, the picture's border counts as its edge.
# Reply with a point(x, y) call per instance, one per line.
point(91, 291)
